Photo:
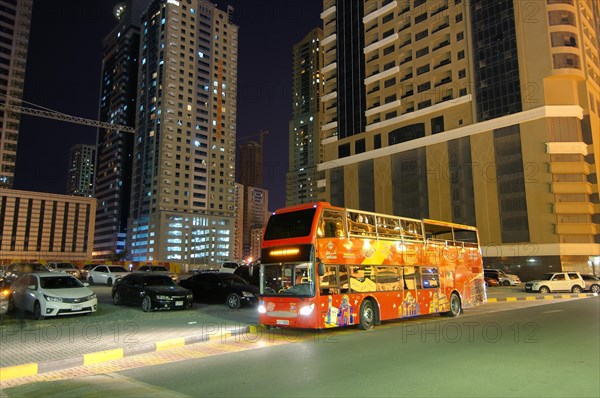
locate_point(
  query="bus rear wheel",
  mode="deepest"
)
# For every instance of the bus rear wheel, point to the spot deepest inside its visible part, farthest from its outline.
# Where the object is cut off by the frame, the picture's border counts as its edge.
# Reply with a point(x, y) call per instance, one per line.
point(367, 315)
point(455, 306)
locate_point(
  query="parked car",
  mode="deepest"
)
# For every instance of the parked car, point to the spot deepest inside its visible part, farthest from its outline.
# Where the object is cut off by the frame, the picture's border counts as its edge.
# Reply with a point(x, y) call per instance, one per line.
point(221, 287)
point(51, 294)
point(249, 273)
point(229, 267)
point(160, 270)
point(15, 270)
point(153, 291)
point(64, 267)
point(503, 278)
point(85, 271)
point(592, 283)
point(557, 281)
point(4, 297)
point(491, 281)
point(107, 274)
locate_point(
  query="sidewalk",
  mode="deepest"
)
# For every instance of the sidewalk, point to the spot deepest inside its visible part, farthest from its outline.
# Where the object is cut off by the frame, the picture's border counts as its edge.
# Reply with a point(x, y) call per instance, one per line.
point(29, 347)
point(517, 293)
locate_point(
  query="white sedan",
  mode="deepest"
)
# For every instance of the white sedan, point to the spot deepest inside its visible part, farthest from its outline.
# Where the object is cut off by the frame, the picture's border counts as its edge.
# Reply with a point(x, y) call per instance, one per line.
point(107, 274)
point(51, 294)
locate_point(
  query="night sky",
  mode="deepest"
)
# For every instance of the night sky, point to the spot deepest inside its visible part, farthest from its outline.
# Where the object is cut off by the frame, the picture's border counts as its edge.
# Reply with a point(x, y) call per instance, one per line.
point(63, 74)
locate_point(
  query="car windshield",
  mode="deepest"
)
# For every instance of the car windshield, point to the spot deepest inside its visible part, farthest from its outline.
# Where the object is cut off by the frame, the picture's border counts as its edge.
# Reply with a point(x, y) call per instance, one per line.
point(158, 280)
point(157, 268)
point(117, 269)
point(59, 282)
point(64, 265)
point(546, 277)
point(288, 279)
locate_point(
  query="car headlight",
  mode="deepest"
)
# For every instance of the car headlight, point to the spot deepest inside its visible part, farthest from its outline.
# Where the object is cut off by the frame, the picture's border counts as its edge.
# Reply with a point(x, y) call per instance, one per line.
point(52, 298)
point(247, 294)
point(162, 297)
point(90, 297)
point(189, 296)
point(307, 309)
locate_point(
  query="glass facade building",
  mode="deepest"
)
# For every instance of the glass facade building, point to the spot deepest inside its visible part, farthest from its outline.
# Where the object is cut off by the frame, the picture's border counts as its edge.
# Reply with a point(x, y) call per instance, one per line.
point(479, 112)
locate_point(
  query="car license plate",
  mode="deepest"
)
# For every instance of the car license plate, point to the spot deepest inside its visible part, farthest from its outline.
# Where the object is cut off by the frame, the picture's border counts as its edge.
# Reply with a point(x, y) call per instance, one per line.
point(76, 307)
point(179, 303)
point(283, 322)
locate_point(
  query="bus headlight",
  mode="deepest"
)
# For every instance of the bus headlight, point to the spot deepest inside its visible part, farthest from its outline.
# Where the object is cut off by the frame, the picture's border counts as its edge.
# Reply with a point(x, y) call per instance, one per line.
point(262, 309)
point(307, 310)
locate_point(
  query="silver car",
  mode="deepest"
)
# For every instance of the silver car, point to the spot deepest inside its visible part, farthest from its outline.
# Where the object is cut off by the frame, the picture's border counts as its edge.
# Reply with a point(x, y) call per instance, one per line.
point(64, 267)
point(592, 283)
point(106, 274)
point(502, 277)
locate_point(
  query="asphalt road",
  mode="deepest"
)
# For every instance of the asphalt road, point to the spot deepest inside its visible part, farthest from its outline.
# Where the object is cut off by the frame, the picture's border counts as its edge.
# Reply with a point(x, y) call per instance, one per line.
point(539, 350)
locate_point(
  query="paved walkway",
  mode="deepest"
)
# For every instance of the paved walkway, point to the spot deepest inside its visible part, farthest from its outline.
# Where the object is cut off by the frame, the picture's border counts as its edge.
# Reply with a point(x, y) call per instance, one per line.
point(30, 347)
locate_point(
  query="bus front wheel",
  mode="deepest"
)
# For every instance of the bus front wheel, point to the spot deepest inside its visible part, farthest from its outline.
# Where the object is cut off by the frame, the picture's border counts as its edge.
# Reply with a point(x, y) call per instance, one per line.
point(367, 315)
point(455, 306)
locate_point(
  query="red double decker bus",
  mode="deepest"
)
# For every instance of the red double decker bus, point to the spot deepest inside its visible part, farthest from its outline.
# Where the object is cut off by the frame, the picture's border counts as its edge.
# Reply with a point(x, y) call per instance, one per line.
point(324, 266)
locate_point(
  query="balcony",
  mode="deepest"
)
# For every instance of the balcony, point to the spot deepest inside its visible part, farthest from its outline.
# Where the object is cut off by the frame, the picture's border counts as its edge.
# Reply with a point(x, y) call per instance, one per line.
point(382, 75)
point(381, 11)
point(329, 68)
point(577, 229)
point(329, 97)
point(329, 39)
point(574, 208)
point(572, 187)
point(383, 108)
point(329, 126)
point(326, 13)
point(378, 44)
point(556, 148)
point(569, 168)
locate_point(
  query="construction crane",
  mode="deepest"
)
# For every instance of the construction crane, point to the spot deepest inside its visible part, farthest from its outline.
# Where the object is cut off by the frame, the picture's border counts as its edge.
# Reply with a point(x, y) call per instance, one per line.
point(50, 114)
point(262, 134)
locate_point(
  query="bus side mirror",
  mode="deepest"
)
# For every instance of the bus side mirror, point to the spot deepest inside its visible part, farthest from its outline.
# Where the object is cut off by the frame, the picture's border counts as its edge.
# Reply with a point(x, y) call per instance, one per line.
point(321, 267)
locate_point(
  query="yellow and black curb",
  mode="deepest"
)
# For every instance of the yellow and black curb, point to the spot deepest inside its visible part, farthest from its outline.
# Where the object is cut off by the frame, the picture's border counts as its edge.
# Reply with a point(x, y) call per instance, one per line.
point(35, 368)
point(542, 297)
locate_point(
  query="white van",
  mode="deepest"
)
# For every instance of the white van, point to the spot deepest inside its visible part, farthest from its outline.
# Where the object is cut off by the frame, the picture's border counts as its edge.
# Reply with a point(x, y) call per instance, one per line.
point(229, 267)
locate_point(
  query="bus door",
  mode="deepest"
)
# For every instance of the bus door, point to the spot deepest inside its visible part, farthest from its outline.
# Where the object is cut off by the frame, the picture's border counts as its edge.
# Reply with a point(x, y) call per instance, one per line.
point(428, 285)
point(410, 303)
point(421, 293)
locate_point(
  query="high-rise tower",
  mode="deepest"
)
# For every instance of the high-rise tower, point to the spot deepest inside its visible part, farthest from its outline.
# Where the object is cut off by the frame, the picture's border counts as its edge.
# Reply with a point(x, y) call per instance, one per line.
point(183, 193)
point(80, 174)
point(14, 39)
point(305, 151)
point(118, 92)
point(476, 112)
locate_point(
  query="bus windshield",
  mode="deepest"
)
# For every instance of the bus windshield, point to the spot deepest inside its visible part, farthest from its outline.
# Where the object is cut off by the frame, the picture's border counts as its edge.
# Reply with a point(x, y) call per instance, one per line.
point(288, 279)
point(290, 225)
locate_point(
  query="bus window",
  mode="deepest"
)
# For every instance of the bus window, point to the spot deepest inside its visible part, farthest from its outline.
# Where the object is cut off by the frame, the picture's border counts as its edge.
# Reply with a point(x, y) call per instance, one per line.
point(328, 283)
point(409, 278)
point(330, 224)
point(362, 279)
point(388, 278)
point(429, 277)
